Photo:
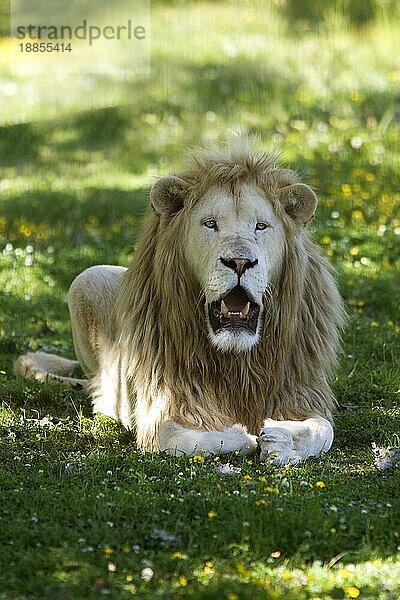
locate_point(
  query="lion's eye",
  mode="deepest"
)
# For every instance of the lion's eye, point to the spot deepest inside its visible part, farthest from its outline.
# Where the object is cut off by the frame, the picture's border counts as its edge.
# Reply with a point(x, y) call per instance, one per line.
point(261, 226)
point(210, 224)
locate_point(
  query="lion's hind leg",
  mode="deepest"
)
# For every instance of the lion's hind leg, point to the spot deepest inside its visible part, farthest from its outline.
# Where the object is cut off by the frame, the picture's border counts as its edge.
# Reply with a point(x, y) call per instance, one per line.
point(91, 302)
point(47, 367)
point(92, 299)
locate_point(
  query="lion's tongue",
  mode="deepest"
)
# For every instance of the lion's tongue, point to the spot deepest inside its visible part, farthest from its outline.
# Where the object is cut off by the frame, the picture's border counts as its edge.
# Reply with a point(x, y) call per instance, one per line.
point(236, 300)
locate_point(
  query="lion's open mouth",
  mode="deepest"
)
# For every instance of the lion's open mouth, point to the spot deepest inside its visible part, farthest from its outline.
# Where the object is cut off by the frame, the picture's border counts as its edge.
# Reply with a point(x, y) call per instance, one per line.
point(234, 311)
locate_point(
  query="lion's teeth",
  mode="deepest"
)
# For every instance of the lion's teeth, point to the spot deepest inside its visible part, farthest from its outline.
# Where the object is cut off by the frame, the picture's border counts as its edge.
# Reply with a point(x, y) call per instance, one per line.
point(224, 308)
point(245, 310)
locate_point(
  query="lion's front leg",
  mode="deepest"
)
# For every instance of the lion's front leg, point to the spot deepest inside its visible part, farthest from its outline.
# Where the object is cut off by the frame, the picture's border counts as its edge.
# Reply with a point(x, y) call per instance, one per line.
point(289, 442)
point(176, 440)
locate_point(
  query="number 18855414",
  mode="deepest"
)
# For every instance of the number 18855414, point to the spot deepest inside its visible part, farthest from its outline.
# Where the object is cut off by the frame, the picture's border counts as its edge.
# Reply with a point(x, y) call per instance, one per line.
point(45, 47)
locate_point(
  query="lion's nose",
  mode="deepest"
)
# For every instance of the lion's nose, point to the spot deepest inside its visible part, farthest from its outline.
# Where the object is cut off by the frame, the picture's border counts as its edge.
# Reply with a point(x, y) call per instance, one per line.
point(239, 265)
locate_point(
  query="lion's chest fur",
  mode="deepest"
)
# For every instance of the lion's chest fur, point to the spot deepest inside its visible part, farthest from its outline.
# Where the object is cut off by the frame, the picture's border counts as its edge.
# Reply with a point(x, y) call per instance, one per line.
point(207, 390)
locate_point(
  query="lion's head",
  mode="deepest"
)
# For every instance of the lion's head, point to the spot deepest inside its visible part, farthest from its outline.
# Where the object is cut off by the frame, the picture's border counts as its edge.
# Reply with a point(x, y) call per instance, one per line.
point(228, 313)
point(234, 238)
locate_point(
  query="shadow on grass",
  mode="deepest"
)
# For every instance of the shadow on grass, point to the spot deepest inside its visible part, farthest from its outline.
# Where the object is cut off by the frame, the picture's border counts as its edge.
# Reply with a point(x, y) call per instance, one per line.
point(20, 143)
point(260, 97)
point(67, 210)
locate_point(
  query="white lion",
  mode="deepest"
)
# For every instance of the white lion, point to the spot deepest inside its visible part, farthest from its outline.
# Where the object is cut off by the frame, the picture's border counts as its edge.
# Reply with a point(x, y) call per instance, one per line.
point(221, 334)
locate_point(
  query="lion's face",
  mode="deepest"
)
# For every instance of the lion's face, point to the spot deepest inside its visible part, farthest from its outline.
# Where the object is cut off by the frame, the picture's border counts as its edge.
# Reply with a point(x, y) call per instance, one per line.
point(233, 237)
point(234, 244)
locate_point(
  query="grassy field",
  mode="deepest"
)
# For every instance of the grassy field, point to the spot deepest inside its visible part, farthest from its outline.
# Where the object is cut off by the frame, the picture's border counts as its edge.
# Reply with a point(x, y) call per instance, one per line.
point(83, 514)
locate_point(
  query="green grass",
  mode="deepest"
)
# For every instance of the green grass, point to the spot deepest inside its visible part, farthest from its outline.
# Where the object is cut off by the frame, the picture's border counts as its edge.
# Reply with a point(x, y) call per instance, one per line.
point(81, 509)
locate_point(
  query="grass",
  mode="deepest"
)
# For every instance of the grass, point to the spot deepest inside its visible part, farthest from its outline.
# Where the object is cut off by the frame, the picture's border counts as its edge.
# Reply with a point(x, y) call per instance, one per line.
point(83, 513)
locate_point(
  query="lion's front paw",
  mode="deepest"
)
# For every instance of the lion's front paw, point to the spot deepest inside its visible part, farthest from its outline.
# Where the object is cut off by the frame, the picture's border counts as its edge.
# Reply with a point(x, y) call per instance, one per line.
point(236, 439)
point(277, 447)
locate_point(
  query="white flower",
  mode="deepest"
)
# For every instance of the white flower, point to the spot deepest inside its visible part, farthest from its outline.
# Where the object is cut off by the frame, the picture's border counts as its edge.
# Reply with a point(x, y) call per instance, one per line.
point(147, 574)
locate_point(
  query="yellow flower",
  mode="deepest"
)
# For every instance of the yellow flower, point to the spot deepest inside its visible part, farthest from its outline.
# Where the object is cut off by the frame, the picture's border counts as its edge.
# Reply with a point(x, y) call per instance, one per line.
point(108, 551)
point(346, 189)
point(247, 478)
point(197, 458)
point(357, 215)
point(176, 555)
point(240, 567)
point(325, 240)
point(352, 592)
point(208, 570)
point(377, 562)
point(271, 490)
point(344, 573)
point(212, 514)
point(374, 324)
point(320, 484)
point(182, 581)
point(261, 502)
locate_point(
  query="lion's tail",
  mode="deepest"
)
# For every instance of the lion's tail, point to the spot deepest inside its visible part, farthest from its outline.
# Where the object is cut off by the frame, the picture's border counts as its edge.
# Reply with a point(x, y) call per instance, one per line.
point(48, 367)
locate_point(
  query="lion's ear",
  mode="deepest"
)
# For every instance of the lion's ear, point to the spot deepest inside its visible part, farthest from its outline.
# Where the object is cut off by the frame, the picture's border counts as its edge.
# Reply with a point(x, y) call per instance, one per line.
point(299, 201)
point(167, 196)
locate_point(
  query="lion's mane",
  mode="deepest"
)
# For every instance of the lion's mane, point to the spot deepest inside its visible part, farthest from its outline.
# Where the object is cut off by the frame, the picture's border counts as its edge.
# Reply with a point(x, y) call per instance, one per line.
point(171, 368)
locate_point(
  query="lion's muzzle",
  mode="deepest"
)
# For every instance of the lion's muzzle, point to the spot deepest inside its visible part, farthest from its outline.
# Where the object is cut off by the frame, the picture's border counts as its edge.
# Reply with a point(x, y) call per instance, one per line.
point(236, 311)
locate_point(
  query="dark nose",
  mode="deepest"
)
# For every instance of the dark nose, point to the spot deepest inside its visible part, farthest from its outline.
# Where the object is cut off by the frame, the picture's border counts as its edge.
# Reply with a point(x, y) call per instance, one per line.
point(239, 265)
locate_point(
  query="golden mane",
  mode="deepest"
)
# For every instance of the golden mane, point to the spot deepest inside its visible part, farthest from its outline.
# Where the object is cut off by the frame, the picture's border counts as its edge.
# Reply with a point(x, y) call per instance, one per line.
point(171, 368)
